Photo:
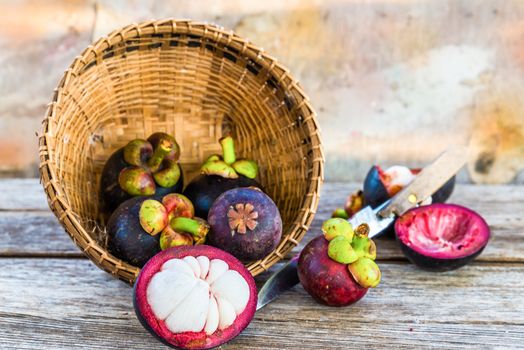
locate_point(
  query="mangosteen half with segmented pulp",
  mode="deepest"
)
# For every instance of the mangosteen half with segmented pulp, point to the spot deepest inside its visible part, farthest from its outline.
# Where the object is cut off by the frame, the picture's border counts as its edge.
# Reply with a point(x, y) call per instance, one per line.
point(195, 297)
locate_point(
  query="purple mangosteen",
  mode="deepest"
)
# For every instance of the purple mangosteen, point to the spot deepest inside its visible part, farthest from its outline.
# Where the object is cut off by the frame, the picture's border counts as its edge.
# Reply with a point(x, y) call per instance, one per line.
point(246, 223)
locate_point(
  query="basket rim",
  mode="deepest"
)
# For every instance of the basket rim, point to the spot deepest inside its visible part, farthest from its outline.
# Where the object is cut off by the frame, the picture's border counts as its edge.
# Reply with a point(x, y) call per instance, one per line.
point(57, 198)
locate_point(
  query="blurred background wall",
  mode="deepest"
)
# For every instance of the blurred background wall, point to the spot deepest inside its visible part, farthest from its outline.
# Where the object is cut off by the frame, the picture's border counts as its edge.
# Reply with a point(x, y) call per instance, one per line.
point(392, 81)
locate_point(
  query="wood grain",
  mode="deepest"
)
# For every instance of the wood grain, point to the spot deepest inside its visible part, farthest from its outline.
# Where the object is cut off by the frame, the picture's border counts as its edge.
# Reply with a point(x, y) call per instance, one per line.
point(37, 232)
point(22, 194)
point(52, 298)
point(64, 304)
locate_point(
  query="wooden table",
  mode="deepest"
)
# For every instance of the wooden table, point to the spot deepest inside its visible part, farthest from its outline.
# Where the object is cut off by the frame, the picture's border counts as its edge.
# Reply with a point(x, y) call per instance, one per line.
point(52, 297)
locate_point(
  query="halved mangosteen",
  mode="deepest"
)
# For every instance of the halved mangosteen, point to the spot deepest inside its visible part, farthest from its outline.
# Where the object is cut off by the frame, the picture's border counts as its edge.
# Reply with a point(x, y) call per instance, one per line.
point(195, 297)
point(441, 237)
point(380, 185)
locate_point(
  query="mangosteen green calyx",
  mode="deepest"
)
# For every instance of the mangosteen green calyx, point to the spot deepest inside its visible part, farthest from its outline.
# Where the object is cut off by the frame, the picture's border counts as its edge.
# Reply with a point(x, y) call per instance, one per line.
point(380, 185)
point(220, 173)
point(143, 226)
point(194, 297)
point(141, 168)
point(338, 267)
point(245, 222)
point(441, 237)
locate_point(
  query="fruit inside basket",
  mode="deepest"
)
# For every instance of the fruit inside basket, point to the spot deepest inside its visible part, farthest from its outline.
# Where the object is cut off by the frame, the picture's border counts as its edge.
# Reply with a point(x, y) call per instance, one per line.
point(194, 81)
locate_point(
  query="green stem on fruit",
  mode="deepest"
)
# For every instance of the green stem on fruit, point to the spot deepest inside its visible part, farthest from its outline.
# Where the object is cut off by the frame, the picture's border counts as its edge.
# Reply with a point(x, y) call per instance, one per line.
point(246, 167)
point(362, 230)
point(194, 227)
point(164, 147)
point(219, 168)
point(228, 149)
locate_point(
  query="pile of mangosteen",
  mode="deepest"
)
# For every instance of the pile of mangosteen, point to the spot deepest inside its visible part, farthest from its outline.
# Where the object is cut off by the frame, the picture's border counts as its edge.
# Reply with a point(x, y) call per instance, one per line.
point(193, 291)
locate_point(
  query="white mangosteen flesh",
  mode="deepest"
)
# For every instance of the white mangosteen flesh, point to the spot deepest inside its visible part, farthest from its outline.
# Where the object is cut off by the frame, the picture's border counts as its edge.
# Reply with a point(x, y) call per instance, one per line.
point(197, 294)
point(195, 297)
point(398, 177)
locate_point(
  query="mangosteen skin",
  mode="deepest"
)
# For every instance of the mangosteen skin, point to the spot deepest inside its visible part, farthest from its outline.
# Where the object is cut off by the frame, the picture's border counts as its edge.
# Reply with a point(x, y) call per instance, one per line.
point(255, 243)
point(327, 281)
point(127, 240)
point(443, 193)
point(203, 190)
point(433, 264)
point(374, 192)
point(110, 192)
point(477, 240)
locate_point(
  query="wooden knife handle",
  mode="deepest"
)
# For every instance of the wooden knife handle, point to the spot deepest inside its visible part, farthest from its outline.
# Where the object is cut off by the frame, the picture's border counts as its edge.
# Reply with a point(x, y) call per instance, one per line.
point(428, 181)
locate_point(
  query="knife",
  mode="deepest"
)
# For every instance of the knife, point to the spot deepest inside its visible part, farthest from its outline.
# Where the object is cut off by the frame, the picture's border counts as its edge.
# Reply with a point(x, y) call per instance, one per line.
point(427, 182)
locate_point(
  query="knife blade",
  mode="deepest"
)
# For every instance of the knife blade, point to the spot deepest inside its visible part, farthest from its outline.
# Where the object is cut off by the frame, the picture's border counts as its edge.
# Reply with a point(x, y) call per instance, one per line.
point(427, 182)
point(278, 283)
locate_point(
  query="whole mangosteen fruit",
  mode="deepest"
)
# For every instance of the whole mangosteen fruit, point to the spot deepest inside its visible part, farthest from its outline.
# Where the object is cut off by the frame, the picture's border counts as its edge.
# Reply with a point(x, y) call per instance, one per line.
point(354, 203)
point(337, 268)
point(194, 297)
point(220, 174)
point(245, 222)
point(142, 226)
point(441, 237)
point(141, 168)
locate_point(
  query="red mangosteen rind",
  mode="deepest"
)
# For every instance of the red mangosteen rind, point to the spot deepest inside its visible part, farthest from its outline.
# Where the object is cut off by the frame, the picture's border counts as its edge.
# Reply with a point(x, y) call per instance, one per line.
point(441, 237)
point(191, 340)
point(326, 280)
point(246, 223)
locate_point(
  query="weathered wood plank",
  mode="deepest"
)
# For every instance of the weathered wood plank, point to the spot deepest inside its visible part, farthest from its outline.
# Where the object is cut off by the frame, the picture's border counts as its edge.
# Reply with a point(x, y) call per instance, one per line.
point(22, 194)
point(34, 234)
point(38, 233)
point(69, 303)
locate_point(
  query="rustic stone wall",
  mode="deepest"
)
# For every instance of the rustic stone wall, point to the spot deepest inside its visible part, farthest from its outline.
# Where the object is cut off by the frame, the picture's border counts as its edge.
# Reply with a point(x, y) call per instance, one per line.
point(392, 81)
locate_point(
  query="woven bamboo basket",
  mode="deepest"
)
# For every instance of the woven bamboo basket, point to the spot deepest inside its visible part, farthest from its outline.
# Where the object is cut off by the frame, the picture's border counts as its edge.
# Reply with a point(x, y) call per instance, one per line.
point(197, 82)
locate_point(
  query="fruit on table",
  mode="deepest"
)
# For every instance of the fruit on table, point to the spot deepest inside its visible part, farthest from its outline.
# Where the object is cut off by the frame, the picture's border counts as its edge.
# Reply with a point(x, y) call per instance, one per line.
point(141, 168)
point(195, 297)
point(220, 173)
point(441, 237)
point(354, 203)
point(380, 185)
point(245, 222)
point(338, 267)
point(142, 226)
